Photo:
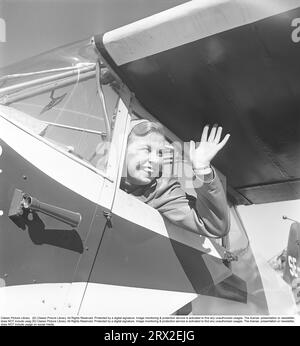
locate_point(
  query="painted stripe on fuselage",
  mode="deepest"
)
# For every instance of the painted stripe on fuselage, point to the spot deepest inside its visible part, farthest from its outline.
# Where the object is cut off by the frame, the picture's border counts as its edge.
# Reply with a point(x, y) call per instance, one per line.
point(187, 23)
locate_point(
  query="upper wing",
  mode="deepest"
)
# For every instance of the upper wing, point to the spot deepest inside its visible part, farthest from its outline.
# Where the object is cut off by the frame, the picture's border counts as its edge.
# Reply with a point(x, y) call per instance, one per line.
point(235, 63)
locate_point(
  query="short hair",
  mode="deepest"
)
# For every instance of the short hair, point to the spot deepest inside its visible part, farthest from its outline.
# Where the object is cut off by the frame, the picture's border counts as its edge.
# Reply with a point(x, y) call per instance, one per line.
point(144, 127)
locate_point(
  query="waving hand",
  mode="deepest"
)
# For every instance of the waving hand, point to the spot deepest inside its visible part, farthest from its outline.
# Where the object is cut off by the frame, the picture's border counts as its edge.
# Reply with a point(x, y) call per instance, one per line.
point(208, 147)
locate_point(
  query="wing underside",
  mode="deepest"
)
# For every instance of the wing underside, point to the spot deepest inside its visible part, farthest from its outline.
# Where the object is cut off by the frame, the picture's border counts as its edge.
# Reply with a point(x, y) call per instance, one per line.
point(235, 63)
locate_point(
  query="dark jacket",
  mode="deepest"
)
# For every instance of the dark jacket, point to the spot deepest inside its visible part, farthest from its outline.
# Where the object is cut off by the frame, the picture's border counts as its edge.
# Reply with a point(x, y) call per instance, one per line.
point(207, 215)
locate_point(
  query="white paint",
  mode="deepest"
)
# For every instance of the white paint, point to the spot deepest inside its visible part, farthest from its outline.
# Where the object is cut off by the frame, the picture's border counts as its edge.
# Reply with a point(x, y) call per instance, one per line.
point(187, 23)
point(34, 300)
point(53, 299)
point(100, 300)
point(55, 164)
point(1, 212)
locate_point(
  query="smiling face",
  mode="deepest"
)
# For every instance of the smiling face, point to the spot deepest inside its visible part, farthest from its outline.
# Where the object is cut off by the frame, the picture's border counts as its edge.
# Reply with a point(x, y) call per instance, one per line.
point(144, 158)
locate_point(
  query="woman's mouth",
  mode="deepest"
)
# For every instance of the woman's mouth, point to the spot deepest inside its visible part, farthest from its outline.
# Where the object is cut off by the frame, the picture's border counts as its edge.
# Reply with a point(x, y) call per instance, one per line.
point(148, 170)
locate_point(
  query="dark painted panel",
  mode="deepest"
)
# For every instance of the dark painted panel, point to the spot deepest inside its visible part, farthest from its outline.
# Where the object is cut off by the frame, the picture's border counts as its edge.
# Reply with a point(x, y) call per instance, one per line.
point(125, 260)
point(244, 288)
point(137, 257)
point(132, 256)
point(43, 250)
point(240, 294)
point(247, 80)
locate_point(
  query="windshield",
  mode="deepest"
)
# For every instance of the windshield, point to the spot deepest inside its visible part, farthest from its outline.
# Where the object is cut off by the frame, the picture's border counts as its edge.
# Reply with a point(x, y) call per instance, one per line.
point(56, 95)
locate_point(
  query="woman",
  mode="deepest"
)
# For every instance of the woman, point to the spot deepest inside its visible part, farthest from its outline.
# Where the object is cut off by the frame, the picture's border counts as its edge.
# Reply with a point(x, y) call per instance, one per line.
point(208, 214)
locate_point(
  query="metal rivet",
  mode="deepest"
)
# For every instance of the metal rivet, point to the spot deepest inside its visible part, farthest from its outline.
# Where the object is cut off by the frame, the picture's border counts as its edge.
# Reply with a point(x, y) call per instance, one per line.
point(34, 281)
point(5, 275)
point(43, 301)
point(24, 177)
point(30, 216)
point(87, 249)
point(54, 308)
point(69, 305)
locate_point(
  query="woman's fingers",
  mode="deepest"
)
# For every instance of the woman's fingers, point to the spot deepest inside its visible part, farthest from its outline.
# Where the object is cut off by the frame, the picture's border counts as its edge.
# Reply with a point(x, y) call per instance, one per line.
point(212, 133)
point(204, 133)
point(213, 137)
point(224, 141)
point(192, 149)
point(218, 135)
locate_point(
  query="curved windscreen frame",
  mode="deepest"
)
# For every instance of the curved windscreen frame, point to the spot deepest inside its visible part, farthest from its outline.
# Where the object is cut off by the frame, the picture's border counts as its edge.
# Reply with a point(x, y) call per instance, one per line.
point(58, 91)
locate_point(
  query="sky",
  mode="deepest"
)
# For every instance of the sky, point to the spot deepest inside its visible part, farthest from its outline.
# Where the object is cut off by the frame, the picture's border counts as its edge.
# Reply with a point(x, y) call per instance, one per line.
point(267, 231)
point(35, 26)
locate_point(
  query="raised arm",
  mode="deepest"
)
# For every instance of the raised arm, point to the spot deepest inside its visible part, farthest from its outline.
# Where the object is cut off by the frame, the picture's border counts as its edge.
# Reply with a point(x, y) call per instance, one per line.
point(208, 214)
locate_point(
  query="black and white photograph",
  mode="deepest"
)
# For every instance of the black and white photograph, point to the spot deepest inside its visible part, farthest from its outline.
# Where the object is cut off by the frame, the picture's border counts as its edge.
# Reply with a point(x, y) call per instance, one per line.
point(149, 164)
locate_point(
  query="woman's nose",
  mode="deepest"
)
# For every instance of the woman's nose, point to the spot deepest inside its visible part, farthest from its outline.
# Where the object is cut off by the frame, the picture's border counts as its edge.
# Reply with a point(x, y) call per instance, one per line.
point(154, 157)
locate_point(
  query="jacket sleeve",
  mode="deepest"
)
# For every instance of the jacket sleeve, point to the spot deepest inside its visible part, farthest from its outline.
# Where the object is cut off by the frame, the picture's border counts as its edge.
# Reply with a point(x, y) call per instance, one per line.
point(207, 215)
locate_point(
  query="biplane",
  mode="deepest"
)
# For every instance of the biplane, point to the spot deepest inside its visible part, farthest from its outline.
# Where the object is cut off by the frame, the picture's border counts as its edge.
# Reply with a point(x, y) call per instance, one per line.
point(71, 241)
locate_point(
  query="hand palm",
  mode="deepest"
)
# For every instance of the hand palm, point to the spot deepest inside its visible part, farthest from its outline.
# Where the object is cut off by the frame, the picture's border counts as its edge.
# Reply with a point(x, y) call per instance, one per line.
point(208, 147)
